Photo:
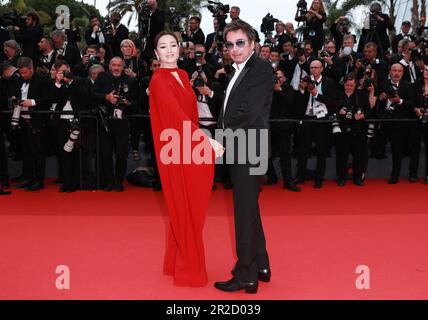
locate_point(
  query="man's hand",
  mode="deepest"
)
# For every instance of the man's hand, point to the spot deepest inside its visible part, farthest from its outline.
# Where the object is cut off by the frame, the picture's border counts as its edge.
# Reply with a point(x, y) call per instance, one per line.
point(395, 100)
point(85, 59)
point(329, 60)
point(383, 96)
point(26, 103)
point(112, 97)
point(419, 112)
point(278, 86)
point(343, 112)
point(204, 90)
point(314, 91)
point(129, 72)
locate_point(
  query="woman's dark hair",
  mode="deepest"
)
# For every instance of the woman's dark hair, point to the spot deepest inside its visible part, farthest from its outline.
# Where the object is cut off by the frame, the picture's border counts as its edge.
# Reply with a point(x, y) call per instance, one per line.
point(164, 33)
point(236, 25)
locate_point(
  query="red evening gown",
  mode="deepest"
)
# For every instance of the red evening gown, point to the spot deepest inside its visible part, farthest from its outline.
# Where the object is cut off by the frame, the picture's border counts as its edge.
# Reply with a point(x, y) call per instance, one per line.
point(186, 187)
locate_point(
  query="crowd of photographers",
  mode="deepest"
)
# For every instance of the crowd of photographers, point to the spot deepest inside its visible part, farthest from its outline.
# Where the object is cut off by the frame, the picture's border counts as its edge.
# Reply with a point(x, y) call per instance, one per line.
point(329, 92)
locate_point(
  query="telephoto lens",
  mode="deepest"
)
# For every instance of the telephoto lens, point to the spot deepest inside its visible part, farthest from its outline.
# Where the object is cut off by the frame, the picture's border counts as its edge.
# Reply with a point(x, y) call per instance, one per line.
point(335, 125)
point(69, 145)
point(370, 130)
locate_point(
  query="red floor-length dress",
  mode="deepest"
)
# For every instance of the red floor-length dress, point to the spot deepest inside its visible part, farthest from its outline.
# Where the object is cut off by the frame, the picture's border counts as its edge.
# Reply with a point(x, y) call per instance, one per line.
point(186, 187)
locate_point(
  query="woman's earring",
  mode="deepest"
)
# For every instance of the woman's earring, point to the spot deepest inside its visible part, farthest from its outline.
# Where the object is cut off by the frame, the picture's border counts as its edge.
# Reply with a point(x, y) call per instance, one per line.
point(157, 56)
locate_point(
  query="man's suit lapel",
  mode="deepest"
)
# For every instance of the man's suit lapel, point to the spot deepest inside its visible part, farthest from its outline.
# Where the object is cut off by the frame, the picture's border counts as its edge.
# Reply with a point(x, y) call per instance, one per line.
point(238, 82)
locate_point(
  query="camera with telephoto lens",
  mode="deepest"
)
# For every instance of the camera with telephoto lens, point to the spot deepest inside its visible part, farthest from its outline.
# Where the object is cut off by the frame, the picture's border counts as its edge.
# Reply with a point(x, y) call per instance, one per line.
point(310, 83)
point(375, 10)
point(219, 11)
point(424, 117)
point(199, 80)
point(12, 18)
point(335, 125)
point(370, 130)
point(94, 59)
point(74, 135)
point(365, 62)
point(368, 75)
point(343, 26)
point(122, 91)
point(14, 104)
point(324, 54)
point(391, 94)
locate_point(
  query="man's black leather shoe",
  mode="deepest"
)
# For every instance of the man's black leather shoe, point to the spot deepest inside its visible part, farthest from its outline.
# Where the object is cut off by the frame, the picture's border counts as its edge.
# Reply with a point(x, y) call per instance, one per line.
point(234, 285)
point(35, 186)
point(318, 184)
point(359, 182)
point(264, 275)
point(292, 187)
point(341, 182)
point(393, 180)
point(22, 184)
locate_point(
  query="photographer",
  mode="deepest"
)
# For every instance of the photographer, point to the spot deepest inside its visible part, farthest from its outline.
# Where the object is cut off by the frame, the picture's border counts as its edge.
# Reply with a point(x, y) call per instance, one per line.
point(332, 68)
point(94, 34)
point(404, 35)
point(354, 106)
point(194, 32)
point(407, 58)
point(370, 58)
point(288, 59)
point(317, 100)
point(29, 36)
point(117, 97)
point(13, 51)
point(90, 58)
point(225, 69)
point(118, 33)
point(191, 64)
point(283, 105)
point(48, 55)
point(65, 51)
point(375, 30)
point(340, 28)
point(153, 22)
point(315, 19)
point(304, 54)
point(33, 93)
point(265, 52)
point(73, 95)
point(396, 102)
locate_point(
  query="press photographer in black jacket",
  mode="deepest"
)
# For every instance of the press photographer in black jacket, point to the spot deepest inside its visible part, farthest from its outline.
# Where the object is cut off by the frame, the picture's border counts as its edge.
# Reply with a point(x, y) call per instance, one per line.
point(396, 102)
point(116, 94)
point(29, 36)
point(354, 106)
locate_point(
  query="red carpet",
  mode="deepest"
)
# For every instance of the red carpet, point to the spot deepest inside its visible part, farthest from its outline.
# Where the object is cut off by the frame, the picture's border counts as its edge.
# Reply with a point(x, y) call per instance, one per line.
point(114, 243)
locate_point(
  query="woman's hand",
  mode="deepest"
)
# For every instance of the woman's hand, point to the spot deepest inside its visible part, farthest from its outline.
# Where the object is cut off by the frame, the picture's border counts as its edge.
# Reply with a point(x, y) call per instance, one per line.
point(218, 147)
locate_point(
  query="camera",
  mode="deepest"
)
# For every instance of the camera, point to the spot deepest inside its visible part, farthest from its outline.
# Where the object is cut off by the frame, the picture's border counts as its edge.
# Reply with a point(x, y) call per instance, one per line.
point(375, 10)
point(176, 19)
point(67, 74)
point(199, 54)
point(370, 130)
point(94, 59)
point(302, 10)
point(13, 103)
point(218, 9)
point(365, 62)
point(310, 83)
point(335, 125)
point(324, 54)
point(13, 18)
point(268, 25)
point(343, 26)
point(199, 80)
point(74, 135)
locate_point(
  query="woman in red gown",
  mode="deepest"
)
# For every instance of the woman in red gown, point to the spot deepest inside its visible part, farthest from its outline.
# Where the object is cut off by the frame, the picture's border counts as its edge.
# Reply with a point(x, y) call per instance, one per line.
point(186, 187)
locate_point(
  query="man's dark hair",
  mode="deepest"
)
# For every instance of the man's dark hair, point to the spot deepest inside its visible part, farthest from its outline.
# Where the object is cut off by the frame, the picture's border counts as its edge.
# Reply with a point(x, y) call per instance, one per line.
point(274, 50)
point(236, 25)
point(4, 66)
point(59, 63)
point(93, 46)
point(34, 16)
point(196, 18)
point(93, 17)
point(350, 77)
point(49, 40)
point(24, 62)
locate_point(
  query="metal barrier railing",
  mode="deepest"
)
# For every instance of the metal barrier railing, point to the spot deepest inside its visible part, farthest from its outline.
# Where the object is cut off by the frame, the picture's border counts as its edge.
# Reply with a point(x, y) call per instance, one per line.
point(91, 115)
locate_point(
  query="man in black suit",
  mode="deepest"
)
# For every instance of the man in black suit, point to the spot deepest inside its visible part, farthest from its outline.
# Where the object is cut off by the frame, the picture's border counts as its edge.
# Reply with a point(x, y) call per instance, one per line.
point(317, 102)
point(246, 109)
point(70, 94)
point(119, 33)
point(34, 92)
point(396, 102)
point(29, 36)
point(63, 50)
point(94, 34)
point(194, 32)
point(209, 42)
point(48, 55)
point(405, 34)
point(117, 94)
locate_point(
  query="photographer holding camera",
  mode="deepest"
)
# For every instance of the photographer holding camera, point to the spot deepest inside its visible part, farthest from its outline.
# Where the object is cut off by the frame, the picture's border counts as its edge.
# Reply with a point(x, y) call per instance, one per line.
point(90, 57)
point(370, 58)
point(116, 94)
point(283, 107)
point(317, 100)
point(94, 34)
point(396, 102)
point(407, 57)
point(404, 35)
point(304, 54)
point(118, 33)
point(192, 64)
point(194, 32)
point(152, 22)
point(314, 18)
point(71, 94)
point(29, 36)
point(340, 28)
point(47, 56)
point(12, 51)
point(32, 93)
point(354, 106)
point(65, 51)
point(375, 30)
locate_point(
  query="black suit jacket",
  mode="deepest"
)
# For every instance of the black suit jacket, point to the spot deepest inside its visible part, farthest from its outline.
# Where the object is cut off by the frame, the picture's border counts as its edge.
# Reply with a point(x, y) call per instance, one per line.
point(30, 38)
point(397, 39)
point(121, 34)
point(72, 56)
point(197, 38)
point(209, 41)
point(406, 92)
point(40, 90)
point(250, 100)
